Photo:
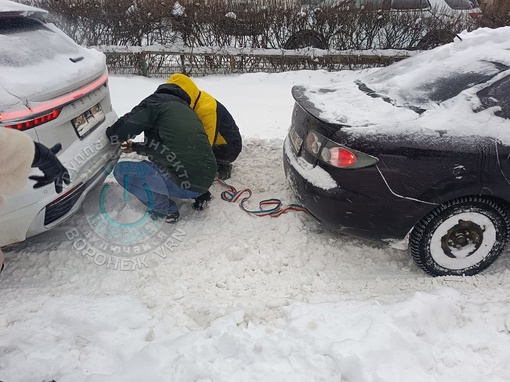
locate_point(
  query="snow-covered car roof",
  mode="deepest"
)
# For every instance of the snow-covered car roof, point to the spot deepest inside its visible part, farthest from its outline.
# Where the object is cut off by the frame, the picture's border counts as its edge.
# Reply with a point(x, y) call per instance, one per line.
point(432, 77)
point(440, 83)
point(12, 8)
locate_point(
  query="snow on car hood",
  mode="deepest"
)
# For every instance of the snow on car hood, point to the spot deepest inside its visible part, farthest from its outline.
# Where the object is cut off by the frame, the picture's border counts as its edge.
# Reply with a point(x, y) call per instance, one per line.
point(40, 64)
point(409, 90)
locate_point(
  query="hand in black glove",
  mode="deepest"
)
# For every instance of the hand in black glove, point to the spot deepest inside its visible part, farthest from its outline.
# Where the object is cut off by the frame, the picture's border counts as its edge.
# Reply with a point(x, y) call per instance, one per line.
point(201, 202)
point(46, 160)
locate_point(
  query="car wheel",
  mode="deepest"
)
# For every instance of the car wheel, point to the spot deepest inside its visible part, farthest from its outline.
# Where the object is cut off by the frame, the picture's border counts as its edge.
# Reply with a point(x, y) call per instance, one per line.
point(461, 237)
point(305, 39)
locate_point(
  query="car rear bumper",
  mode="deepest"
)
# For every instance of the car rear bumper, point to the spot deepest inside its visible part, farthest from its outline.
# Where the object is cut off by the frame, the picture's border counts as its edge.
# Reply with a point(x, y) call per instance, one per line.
point(32, 211)
point(361, 204)
point(72, 198)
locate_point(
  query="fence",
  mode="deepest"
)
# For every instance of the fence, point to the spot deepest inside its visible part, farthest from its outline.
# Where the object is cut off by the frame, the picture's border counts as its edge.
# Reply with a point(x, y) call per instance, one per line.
point(161, 61)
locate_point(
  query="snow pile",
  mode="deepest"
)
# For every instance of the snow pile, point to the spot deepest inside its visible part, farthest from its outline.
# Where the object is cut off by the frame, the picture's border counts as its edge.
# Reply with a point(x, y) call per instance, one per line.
point(434, 82)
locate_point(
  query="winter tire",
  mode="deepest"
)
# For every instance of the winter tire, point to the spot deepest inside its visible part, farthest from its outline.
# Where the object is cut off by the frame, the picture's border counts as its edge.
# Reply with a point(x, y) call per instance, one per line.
point(461, 237)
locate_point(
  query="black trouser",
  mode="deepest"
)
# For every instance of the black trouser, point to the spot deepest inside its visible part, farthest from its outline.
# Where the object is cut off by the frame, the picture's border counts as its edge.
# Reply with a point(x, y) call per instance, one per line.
point(227, 153)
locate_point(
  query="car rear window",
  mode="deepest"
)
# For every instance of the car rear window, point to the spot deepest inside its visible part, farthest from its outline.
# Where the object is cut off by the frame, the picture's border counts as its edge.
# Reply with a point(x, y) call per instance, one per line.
point(393, 4)
point(461, 4)
point(430, 86)
point(25, 41)
point(497, 95)
point(17, 24)
point(409, 4)
point(442, 88)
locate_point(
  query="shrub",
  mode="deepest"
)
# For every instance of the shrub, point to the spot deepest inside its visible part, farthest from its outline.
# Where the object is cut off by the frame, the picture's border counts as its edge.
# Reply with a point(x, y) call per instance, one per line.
point(277, 24)
point(496, 13)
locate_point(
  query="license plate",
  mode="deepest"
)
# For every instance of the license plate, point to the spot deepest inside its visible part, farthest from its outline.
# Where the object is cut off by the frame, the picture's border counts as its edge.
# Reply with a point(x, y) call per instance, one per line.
point(86, 122)
point(295, 139)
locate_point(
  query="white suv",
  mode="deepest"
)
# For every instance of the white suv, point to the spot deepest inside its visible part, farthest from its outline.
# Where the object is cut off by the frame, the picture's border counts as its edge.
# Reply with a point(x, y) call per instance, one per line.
point(55, 91)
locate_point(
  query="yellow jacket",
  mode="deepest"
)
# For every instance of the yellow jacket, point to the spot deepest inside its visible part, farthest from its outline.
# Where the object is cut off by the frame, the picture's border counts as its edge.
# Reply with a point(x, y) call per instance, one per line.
point(203, 104)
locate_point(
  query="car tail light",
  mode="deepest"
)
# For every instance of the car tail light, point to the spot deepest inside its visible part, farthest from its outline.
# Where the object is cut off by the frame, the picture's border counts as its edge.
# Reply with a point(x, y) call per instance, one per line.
point(314, 143)
point(25, 125)
point(336, 154)
point(30, 117)
point(340, 157)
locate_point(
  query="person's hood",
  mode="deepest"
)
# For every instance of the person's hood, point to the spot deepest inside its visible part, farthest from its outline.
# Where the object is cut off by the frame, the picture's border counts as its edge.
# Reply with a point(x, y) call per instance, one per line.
point(173, 90)
point(185, 83)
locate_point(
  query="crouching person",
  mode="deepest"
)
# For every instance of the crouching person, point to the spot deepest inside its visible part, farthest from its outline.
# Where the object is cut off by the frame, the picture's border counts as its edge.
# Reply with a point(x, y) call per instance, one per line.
point(219, 124)
point(180, 162)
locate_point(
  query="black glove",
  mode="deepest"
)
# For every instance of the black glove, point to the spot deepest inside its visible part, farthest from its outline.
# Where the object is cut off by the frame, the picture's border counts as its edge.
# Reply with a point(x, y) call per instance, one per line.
point(139, 148)
point(46, 160)
point(202, 201)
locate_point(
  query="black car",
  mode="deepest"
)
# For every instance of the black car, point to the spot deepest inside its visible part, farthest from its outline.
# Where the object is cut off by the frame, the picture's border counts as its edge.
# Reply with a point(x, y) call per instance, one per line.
point(417, 153)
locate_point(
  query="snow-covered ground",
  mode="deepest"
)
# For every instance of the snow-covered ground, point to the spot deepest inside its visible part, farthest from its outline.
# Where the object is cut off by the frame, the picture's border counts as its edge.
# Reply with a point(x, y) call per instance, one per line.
point(224, 296)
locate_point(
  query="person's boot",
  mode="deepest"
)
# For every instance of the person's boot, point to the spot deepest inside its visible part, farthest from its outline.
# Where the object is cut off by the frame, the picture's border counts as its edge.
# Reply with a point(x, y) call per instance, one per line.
point(224, 170)
point(202, 201)
point(172, 218)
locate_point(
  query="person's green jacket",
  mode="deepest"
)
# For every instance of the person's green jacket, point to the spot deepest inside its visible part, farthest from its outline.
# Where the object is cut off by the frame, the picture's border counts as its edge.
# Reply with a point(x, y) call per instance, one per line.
point(175, 138)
